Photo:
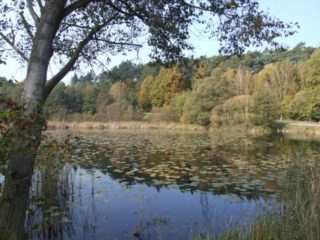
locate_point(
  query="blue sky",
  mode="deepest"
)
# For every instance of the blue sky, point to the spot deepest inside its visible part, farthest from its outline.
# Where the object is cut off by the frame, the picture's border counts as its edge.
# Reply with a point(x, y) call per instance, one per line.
point(305, 12)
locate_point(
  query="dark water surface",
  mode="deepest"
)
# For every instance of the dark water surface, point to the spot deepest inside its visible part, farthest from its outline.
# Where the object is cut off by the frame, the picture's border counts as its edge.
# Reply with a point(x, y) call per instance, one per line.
point(161, 185)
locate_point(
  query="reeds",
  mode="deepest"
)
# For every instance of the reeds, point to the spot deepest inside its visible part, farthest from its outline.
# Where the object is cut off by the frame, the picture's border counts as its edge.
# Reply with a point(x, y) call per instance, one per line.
point(52, 188)
point(301, 212)
point(297, 218)
point(122, 125)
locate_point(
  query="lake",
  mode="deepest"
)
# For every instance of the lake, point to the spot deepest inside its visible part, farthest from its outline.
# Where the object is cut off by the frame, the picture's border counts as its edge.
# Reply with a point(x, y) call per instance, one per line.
point(160, 184)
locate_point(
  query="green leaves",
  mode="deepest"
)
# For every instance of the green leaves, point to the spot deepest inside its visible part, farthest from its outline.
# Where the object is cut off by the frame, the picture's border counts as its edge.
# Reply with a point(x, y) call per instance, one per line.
point(315, 112)
point(313, 77)
point(264, 108)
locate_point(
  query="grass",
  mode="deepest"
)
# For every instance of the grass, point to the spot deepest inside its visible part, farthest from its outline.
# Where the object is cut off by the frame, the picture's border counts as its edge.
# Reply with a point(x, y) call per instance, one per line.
point(122, 125)
point(49, 212)
point(298, 217)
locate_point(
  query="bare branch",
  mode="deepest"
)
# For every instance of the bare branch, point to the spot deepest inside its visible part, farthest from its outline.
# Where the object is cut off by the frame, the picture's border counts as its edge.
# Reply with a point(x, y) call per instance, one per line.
point(26, 26)
point(119, 43)
point(33, 13)
point(14, 47)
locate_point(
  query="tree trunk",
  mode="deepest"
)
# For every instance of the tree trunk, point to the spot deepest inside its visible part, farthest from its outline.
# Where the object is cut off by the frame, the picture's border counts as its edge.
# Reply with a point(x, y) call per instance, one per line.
point(24, 152)
point(13, 206)
point(27, 132)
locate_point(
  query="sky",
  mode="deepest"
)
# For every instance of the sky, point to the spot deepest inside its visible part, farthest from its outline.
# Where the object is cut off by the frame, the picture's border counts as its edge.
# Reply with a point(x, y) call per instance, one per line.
point(305, 12)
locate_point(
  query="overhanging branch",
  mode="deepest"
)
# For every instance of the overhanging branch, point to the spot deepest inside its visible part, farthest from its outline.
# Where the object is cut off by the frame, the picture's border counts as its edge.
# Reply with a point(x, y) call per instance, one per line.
point(63, 72)
point(119, 43)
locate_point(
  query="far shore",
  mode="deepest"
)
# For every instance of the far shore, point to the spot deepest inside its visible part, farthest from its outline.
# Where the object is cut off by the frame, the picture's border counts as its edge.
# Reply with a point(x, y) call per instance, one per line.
point(133, 125)
point(285, 127)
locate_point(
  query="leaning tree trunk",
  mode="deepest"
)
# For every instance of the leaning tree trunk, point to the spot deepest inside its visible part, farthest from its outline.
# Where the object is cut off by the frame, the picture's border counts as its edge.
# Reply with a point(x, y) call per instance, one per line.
point(27, 130)
point(13, 207)
point(22, 161)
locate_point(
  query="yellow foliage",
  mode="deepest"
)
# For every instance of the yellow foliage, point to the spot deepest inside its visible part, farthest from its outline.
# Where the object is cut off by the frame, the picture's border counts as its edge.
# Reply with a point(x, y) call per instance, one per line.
point(118, 90)
point(172, 82)
point(144, 100)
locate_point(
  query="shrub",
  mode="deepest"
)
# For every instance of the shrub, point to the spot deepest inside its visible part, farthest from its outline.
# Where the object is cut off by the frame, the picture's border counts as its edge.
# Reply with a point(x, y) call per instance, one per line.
point(232, 112)
point(164, 114)
point(264, 108)
point(305, 105)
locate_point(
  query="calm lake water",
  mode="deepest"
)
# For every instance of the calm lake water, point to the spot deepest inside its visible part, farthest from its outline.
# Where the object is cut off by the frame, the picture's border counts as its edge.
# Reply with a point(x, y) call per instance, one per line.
point(161, 184)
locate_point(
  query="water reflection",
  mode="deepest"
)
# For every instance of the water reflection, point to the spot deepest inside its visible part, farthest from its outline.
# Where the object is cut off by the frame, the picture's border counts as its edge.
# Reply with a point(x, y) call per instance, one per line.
point(247, 168)
point(124, 184)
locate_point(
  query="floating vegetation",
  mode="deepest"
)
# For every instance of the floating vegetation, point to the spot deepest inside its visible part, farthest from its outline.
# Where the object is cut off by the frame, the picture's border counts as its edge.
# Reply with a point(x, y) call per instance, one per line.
point(107, 177)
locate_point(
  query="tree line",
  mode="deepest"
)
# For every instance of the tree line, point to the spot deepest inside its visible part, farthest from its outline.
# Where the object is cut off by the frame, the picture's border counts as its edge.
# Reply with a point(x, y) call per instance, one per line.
point(255, 88)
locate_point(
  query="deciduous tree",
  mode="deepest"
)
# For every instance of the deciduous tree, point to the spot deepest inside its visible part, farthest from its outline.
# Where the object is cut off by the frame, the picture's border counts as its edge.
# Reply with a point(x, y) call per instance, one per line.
point(282, 80)
point(313, 74)
point(173, 83)
point(125, 71)
point(212, 91)
point(144, 99)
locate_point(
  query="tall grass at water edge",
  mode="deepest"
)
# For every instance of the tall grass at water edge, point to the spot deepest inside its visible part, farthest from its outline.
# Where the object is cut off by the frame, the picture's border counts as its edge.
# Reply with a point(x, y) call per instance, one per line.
point(49, 211)
point(297, 218)
point(122, 125)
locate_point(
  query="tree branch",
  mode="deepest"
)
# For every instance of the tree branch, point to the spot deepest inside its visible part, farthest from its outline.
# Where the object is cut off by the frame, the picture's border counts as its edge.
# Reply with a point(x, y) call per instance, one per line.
point(14, 47)
point(40, 4)
point(76, 5)
point(63, 72)
point(121, 11)
point(33, 13)
point(119, 43)
point(26, 26)
point(67, 25)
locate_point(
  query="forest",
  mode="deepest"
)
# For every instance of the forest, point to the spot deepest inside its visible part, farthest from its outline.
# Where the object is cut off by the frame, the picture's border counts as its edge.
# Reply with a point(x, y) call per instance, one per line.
point(256, 88)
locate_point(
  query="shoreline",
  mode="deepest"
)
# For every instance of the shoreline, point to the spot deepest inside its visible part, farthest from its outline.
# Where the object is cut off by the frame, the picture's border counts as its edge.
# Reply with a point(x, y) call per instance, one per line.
point(284, 127)
point(295, 127)
point(130, 125)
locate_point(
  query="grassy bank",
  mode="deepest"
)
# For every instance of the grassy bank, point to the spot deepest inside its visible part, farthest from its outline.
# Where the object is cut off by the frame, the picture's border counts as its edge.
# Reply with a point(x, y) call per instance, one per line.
point(122, 125)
